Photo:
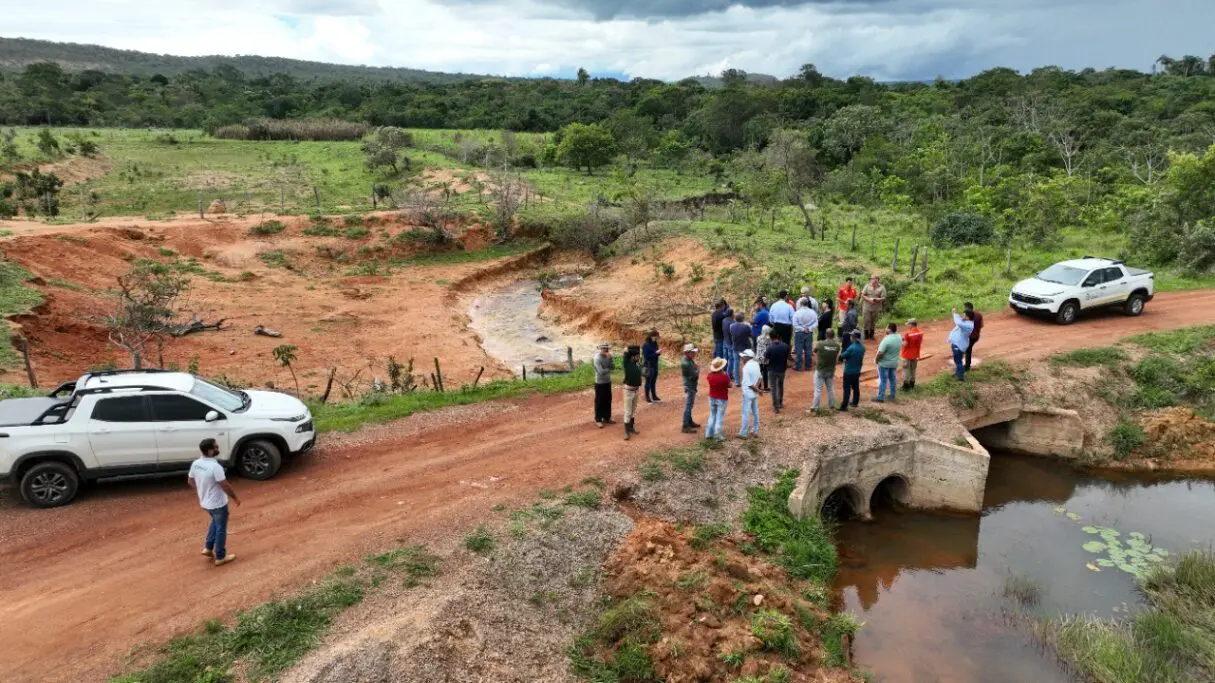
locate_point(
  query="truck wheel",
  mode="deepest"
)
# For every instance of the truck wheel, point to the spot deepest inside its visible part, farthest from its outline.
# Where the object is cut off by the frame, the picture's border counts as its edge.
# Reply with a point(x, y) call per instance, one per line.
point(1067, 313)
point(258, 460)
point(49, 484)
point(1134, 305)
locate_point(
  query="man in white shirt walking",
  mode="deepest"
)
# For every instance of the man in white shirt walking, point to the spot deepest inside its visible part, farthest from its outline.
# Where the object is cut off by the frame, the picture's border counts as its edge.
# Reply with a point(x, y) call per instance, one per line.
point(208, 479)
point(750, 385)
point(805, 326)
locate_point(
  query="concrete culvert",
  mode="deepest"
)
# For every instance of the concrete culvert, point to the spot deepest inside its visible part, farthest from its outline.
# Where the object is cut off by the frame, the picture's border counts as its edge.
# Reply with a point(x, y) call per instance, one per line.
point(846, 502)
point(891, 493)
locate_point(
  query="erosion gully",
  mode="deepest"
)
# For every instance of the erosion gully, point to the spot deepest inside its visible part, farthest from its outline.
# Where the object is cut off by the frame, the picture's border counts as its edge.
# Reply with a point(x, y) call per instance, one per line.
point(507, 320)
point(931, 588)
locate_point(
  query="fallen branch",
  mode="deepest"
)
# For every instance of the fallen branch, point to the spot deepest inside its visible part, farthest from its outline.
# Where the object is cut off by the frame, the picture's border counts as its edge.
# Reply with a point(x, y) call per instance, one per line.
point(266, 332)
point(195, 325)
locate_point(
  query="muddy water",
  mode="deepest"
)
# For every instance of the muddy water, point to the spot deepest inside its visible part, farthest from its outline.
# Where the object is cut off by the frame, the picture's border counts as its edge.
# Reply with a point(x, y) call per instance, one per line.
point(508, 322)
point(930, 588)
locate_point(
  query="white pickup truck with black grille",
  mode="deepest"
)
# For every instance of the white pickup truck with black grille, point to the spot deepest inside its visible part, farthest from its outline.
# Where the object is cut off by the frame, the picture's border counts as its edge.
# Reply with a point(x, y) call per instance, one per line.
point(142, 422)
point(1069, 287)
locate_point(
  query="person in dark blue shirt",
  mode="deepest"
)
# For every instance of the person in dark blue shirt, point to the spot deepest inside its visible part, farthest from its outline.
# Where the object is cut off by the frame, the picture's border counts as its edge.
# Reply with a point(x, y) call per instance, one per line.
point(778, 364)
point(649, 355)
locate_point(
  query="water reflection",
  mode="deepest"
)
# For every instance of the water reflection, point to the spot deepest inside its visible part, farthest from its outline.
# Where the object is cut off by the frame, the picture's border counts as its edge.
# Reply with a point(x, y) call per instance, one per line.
point(929, 587)
point(508, 323)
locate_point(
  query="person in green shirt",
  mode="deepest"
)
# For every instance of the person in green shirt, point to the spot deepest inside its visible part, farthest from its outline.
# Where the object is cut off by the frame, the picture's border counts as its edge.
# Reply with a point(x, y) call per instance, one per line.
point(691, 378)
point(826, 353)
point(632, 384)
point(853, 357)
point(887, 360)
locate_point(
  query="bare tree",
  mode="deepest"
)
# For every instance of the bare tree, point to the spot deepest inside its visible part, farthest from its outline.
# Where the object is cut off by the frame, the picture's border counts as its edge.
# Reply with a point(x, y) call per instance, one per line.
point(506, 190)
point(1068, 144)
point(147, 301)
point(790, 154)
point(1147, 162)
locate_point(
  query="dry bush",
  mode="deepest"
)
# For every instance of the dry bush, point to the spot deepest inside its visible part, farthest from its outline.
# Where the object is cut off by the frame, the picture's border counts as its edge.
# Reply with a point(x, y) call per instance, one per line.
point(294, 129)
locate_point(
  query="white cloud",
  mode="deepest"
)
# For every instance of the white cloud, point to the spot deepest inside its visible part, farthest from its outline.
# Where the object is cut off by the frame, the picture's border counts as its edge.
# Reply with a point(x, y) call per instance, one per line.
point(886, 40)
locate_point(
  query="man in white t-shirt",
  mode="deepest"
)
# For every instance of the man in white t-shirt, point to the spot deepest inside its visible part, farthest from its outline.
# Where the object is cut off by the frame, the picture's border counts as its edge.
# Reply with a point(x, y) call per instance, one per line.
point(208, 479)
point(750, 403)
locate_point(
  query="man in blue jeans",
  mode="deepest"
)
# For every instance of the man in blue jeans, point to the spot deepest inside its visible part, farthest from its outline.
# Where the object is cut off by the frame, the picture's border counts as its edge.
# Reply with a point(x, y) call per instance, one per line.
point(208, 479)
point(959, 341)
point(887, 360)
point(751, 391)
point(805, 324)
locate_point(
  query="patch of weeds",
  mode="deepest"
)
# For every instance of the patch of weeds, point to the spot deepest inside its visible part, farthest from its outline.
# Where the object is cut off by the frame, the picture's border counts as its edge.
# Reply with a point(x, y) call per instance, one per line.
point(166, 252)
point(965, 394)
point(1125, 438)
point(583, 577)
point(836, 627)
point(548, 494)
point(1183, 341)
point(275, 259)
point(651, 470)
point(322, 229)
point(500, 507)
point(733, 658)
point(1109, 356)
point(413, 562)
point(593, 481)
point(1022, 589)
point(539, 598)
point(961, 442)
point(584, 499)
point(775, 631)
point(691, 580)
point(356, 233)
point(267, 228)
point(352, 220)
point(705, 534)
point(687, 460)
point(871, 414)
point(345, 571)
point(480, 540)
point(246, 276)
point(616, 648)
point(803, 547)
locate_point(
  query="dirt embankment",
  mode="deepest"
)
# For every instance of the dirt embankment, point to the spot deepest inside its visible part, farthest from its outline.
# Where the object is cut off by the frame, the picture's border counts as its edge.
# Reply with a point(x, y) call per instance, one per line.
point(329, 294)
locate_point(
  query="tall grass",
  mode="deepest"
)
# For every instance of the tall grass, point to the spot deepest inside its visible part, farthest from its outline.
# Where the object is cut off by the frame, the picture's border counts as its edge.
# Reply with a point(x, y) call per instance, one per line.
point(804, 547)
point(295, 129)
point(1173, 641)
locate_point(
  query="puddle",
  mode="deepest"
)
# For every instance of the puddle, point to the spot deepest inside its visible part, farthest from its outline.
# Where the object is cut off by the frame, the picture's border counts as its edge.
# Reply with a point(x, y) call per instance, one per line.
point(930, 587)
point(511, 330)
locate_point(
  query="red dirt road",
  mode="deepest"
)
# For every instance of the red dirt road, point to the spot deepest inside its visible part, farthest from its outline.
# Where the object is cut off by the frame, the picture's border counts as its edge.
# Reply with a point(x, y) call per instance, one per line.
point(84, 584)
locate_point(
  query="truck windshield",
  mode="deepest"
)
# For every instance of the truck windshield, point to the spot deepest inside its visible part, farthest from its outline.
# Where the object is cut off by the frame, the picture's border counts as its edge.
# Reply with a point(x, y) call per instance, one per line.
point(1062, 275)
point(224, 398)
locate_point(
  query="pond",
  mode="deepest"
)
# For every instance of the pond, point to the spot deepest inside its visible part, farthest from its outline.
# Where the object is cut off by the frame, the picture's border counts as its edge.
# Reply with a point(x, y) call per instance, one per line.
point(511, 330)
point(931, 588)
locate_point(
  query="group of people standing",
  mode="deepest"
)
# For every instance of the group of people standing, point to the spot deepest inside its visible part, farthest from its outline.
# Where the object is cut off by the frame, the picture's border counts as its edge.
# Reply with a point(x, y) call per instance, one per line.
point(755, 355)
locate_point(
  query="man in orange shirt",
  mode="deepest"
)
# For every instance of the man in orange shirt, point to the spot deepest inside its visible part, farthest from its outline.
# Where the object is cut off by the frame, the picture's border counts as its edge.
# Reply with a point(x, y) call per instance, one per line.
point(846, 295)
point(912, 339)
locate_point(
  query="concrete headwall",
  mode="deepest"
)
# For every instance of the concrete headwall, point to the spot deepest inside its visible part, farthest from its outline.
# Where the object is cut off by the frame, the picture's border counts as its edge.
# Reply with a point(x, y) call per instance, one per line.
point(937, 476)
point(1035, 430)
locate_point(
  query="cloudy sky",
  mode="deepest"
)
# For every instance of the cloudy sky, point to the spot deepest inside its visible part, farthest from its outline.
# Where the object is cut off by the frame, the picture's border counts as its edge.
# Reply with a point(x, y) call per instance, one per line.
point(667, 39)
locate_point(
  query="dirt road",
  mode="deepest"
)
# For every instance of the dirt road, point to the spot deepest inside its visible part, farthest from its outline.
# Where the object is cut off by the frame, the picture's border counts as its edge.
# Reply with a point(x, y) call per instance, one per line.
point(84, 584)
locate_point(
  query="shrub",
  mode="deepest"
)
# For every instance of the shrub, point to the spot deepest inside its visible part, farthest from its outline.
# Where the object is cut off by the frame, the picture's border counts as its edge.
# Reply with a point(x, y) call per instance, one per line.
point(775, 631)
point(357, 232)
point(294, 129)
point(480, 541)
point(1125, 438)
point(266, 228)
point(962, 227)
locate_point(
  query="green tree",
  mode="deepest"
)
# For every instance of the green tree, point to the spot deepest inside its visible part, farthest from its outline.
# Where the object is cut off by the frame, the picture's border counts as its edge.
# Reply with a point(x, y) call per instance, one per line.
point(586, 146)
point(48, 144)
point(673, 151)
point(583, 76)
point(285, 355)
point(145, 306)
point(9, 153)
point(792, 158)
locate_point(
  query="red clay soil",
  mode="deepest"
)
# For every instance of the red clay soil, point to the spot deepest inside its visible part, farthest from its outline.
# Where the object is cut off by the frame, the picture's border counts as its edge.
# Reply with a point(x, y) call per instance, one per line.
point(705, 600)
point(333, 318)
point(85, 583)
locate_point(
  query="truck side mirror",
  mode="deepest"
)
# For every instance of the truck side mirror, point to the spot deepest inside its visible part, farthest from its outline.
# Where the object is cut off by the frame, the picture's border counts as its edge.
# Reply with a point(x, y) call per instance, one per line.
point(211, 416)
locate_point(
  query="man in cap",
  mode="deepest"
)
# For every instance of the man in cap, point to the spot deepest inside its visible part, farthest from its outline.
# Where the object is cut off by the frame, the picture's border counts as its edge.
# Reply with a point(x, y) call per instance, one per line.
point(751, 391)
point(691, 377)
point(632, 385)
point(604, 365)
point(874, 296)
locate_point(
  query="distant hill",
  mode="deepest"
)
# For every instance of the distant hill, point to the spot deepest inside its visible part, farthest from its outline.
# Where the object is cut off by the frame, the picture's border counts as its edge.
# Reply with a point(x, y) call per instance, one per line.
point(17, 53)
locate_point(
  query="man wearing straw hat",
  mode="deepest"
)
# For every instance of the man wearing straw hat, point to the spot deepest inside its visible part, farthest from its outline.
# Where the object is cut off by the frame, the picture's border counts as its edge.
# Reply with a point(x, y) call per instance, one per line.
point(719, 397)
point(604, 365)
point(691, 378)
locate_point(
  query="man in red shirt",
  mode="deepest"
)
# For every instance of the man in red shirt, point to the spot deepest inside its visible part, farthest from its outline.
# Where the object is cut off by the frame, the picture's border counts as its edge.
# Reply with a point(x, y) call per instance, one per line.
point(846, 295)
point(719, 395)
point(913, 338)
point(974, 336)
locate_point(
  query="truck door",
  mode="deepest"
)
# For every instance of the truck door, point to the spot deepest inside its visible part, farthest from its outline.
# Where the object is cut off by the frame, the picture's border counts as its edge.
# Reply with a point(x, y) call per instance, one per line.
point(120, 433)
point(1091, 290)
point(1117, 285)
point(181, 424)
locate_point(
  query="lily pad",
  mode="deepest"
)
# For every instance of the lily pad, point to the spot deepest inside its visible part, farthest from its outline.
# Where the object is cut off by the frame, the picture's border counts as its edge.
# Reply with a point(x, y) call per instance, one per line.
point(1060, 510)
point(1105, 563)
point(1094, 546)
point(1074, 517)
point(1091, 530)
point(1137, 535)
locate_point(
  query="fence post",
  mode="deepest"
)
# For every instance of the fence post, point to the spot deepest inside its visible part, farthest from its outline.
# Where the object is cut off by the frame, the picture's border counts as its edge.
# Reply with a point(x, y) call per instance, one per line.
point(894, 262)
point(439, 373)
point(1008, 263)
point(282, 200)
point(524, 372)
point(29, 368)
point(373, 198)
point(853, 237)
point(317, 194)
point(873, 241)
point(915, 255)
point(569, 356)
point(200, 205)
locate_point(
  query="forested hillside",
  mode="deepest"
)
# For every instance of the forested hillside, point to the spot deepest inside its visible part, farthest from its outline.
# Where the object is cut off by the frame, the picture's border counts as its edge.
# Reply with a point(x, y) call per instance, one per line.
point(18, 53)
point(999, 158)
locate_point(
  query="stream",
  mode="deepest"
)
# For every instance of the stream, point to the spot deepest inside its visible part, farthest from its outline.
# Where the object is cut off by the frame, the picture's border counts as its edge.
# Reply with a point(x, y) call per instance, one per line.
point(511, 330)
point(931, 588)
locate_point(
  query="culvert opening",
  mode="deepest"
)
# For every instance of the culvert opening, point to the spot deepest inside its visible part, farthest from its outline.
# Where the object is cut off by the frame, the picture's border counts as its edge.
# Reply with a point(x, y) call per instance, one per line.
point(891, 493)
point(843, 503)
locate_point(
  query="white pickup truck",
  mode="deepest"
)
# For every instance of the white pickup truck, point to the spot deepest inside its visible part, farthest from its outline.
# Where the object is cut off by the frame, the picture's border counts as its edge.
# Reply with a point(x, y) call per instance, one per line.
point(142, 422)
point(1068, 287)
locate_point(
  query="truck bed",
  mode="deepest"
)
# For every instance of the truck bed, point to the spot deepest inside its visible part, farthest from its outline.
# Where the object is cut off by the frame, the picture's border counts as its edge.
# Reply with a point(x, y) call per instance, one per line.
point(1135, 272)
point(17, 412)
